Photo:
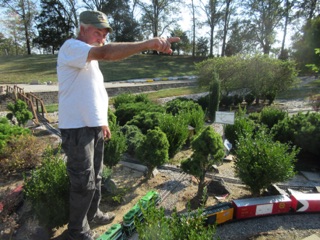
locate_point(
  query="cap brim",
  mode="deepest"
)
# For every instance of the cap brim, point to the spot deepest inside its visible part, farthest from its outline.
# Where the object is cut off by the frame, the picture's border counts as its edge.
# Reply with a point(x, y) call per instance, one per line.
point(103, 25)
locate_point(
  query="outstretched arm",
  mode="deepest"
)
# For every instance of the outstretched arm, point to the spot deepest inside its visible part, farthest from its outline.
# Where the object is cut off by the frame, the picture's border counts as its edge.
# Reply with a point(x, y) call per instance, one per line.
point(118, 51)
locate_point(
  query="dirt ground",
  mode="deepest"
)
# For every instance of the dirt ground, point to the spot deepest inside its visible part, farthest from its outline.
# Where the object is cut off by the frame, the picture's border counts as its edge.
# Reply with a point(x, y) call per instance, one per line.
point(131, 186)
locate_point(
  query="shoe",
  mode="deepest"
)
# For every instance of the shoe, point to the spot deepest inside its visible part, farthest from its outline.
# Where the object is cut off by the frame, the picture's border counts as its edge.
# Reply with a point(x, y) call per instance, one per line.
point(103, 218)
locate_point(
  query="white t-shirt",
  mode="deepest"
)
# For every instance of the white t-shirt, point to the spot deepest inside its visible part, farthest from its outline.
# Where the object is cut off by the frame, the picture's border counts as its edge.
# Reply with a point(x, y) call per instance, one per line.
point(83, 99)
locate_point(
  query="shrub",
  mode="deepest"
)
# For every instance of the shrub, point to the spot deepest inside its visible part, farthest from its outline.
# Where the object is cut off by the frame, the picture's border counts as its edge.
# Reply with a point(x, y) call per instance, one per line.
point(189, 110)
point(21, 153)
point(112, 119)
point(48, 191)
point(271, 96)
point(145, 120)
point(20, 111)
point(7, 131)
point(226, 101)
point(153, 152)
point(237, 99)
point(123, 98)
point(249, 98)
point(302, 130)
point(176, 130)
point(126, 112)
point(203, 101)
point(114, 147)
point(134, 138)
point(179, 105)
point(157, 225)
point(142, 98)
point(255, 116)
point(271, 116)
point(261, 162)
point(241, 125)
point(194, 118)
point(208, 150)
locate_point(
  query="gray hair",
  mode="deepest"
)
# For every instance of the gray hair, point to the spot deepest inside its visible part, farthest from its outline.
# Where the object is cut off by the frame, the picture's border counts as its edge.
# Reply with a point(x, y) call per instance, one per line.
point(84, 25)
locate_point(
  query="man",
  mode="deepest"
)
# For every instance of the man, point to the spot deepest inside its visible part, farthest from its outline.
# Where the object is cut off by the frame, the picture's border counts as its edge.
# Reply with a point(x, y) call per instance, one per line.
point(83, 114)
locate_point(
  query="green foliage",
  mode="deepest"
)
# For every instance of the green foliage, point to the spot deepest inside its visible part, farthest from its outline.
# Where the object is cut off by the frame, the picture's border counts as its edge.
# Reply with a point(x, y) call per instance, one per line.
point(305, 46)
point(260, 161)
point(153, 152)
point(48, 191)
point(106, 172)
point(123, 98)
point(130, 98)
point(112, 119)
point(181, 104)
point(134, 138)
point(226, 101)
point(302, 130)
point(20, 111)
point(271, 116)
point(53, 29)
point(255, 116)
point(21, 153)
point(208, 150)
point(237, 99)
point(189, 110)
point(157, 226)
point(126, 112)
point(260, 74)
point(242, 125)
point(214, 97)
point(7, 131)
point(203, 101)
point(249, 98)
point(114, 147)
point(194, 118)
point(145, 120)
point(176, 130)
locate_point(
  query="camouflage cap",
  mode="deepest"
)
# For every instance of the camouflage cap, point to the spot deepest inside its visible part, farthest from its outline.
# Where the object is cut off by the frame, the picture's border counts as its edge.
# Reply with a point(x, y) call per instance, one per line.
point(96, 19)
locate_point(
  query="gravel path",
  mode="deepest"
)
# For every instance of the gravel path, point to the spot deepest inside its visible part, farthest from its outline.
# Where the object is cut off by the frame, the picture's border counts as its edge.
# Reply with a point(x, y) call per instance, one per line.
point(279, 227)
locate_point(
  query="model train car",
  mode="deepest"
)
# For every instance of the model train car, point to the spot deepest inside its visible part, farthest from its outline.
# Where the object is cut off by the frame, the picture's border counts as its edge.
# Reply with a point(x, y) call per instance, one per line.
point(121, 232)
point(225, 212)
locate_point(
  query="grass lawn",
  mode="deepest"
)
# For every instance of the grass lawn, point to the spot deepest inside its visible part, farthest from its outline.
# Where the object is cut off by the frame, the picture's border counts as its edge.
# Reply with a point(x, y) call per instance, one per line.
point(42, 68)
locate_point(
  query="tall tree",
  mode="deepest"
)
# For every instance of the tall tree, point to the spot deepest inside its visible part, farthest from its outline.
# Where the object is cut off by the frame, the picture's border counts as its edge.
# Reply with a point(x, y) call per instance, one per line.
point(54, 26)
point(26, 11)
point(304, 44)
point(194, 13)
point(16, 34)
point(184, 44)
point(228, 10)
point(125, 27)
point(265, 17)
point(308, 8)
point(241, 38)
point(202, 47)
point(213, 16)
point(158, 16)
point(288, 16)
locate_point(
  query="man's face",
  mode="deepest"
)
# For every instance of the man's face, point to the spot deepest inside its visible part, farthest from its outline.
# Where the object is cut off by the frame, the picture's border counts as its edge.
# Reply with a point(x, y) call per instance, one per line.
point(95, 36)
